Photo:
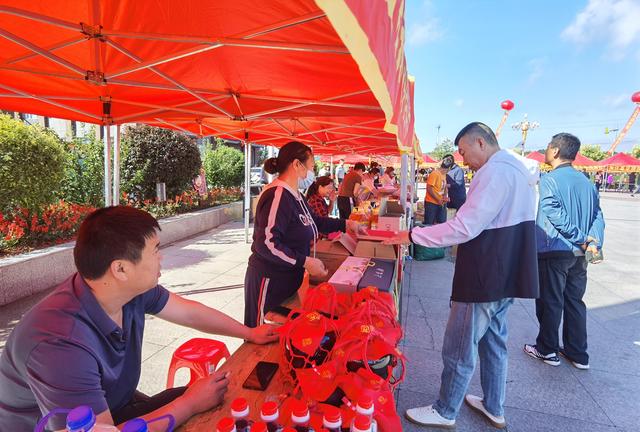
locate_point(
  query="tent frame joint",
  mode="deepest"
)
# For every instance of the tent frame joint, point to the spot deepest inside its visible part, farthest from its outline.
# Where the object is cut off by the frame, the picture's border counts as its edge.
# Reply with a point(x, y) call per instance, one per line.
point(95, 77)
point(92, 31)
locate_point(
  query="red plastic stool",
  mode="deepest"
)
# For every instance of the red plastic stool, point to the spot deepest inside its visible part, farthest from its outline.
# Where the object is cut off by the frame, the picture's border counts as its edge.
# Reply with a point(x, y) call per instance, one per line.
point(200, 355)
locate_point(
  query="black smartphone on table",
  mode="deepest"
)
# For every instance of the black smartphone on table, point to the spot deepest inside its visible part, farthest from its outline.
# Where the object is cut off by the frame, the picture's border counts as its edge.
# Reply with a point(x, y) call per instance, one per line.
point(261, 376)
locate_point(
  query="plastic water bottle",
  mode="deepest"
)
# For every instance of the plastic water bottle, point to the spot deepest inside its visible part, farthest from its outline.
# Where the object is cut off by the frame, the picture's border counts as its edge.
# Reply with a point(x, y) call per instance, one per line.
point(365, 407)
point(240, 414)
point(361, 423)
point(79, 419)
point(332, 419)
point(270, 415)
point(300, 417)
point(226, 424)
point(142, 425)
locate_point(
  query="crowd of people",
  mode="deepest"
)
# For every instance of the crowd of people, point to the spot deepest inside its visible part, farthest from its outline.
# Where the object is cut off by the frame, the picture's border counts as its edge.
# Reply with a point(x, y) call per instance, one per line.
point(511, 245)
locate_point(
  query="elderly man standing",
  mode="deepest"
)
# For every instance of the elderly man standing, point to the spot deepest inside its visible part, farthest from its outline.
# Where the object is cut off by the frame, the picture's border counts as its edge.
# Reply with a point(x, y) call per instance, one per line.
point(570, 223)
point(496, 262)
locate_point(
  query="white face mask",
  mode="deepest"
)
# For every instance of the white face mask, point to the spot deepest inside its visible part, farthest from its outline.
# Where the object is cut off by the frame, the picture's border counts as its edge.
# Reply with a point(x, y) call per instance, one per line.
point(307, 181)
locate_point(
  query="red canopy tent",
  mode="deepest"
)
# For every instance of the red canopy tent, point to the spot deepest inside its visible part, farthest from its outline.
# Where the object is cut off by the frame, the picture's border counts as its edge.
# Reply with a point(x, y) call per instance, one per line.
point(173, 62)
point(536, 156)
point(584, 162)
point(621, 162)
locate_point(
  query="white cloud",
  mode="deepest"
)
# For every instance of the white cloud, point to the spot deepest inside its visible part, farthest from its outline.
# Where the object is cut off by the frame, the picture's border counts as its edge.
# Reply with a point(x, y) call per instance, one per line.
point(459, 103)
point(426, 27)
point(425, 32)
point(616, 101)
point(615, 21)
point(537, 69)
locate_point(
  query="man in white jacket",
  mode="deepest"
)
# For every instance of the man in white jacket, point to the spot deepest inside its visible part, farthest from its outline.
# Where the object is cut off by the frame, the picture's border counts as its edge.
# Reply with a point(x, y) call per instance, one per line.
point(496, 262)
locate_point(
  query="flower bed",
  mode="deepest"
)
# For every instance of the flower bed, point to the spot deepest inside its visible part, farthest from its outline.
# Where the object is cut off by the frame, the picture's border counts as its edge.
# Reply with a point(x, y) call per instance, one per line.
point(23, 230)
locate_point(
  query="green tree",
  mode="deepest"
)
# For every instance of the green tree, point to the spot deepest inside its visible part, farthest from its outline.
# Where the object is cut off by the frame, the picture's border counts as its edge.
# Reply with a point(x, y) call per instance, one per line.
point(224, 166)
point(444, 148)
point(635, 151)
point(593, 151)
point(152, 155)
point(83, 181)
point(31, 165)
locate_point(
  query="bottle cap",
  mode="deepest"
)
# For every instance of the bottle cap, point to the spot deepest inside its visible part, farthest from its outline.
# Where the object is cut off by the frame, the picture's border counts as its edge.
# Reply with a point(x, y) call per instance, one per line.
point(135, 425)
point(269, 412)
point(259, 427)
point(81, 418)
point(239, 407)
point(226, 424)
point(299, 412)
point(331, 418)
point(365, 405)
point(362, 423)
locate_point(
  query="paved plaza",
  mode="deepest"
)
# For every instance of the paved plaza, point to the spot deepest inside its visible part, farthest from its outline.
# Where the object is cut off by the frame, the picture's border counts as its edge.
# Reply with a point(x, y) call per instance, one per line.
point(210, 268)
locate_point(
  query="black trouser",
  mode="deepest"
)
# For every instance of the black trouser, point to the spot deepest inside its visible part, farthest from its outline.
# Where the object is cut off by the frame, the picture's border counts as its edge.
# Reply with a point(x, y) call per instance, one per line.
point(434, 214)
point(141, 404)
point(344, 207)
point(563, 282)
point(263, 292)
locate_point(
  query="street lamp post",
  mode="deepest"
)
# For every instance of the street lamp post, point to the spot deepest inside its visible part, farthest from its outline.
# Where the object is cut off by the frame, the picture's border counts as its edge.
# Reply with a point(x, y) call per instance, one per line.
point(525, 126)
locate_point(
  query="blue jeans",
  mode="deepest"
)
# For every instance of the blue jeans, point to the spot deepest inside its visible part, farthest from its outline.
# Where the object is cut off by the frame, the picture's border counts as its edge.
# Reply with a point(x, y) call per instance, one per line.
point(434, 214)
point(474, 329)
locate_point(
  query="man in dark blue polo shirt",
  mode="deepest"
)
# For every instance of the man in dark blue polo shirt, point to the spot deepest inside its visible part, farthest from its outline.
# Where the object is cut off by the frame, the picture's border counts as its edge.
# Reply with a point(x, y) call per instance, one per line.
point(82, 344)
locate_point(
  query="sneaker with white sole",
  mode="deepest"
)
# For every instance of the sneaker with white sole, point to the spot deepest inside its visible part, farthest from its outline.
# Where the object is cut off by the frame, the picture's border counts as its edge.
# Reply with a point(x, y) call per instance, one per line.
point(476, 403)
point(428, 416)
point(550, 359)
point(581, 366)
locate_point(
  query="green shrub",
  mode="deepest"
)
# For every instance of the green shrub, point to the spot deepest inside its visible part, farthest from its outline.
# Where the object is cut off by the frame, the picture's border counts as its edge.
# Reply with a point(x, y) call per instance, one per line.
point(83, 181)
point(31, 165)
point(224, 166)
point(152, 155)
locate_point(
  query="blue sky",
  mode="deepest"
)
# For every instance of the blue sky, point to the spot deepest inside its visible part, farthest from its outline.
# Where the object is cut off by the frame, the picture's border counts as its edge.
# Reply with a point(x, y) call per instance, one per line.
point(570, 65)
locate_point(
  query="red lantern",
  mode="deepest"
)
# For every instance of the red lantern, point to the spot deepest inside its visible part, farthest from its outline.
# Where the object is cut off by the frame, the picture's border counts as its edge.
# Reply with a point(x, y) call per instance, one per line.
point(507, 105)
point(636, 97)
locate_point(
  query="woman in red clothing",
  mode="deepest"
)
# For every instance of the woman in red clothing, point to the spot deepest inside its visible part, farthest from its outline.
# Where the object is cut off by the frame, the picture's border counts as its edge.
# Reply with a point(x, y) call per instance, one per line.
point(317, 195)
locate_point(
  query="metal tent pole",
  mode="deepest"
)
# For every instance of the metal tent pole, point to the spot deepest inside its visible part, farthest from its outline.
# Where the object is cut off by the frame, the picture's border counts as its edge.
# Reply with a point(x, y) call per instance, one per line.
point(107, 167)
point(116, 168)
point(403, 180)
point(247, 186)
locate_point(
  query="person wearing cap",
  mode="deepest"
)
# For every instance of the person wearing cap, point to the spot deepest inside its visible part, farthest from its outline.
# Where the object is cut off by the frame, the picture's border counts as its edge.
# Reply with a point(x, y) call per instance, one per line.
point(497, 262)
point(283, 231)
point(82, 344)
point(456, 190)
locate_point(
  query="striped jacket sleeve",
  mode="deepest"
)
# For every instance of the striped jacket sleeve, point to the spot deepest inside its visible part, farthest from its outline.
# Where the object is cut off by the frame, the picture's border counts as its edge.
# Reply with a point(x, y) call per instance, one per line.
point(275, 215)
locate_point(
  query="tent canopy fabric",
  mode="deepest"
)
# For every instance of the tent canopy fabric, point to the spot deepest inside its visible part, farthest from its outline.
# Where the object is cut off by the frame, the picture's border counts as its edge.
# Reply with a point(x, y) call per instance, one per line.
point(621, 162)
point(583, 161)
point(214, 67)
point(536, 156)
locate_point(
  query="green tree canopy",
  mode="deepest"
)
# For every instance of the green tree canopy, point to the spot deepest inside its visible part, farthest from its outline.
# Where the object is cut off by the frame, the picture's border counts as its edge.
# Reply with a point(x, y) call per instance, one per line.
point(31, 165)
point(83, 181)
point(224, 166)
point(635, 151)
point(152, 155)
point(444, 148)
point(593, 151)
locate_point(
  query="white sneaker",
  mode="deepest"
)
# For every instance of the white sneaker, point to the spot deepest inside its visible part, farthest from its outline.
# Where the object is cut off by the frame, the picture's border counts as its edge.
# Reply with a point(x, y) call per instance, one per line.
point(575, 364)
point(428, 416)
point(550, 359)
point(476, 404)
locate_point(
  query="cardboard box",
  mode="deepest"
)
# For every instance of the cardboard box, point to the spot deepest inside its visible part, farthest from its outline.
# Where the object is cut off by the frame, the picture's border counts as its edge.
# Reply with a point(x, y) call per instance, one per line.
point(348, 275)
point(391, 216)
point(373, 249)
point(332, 253)
point(380, 273)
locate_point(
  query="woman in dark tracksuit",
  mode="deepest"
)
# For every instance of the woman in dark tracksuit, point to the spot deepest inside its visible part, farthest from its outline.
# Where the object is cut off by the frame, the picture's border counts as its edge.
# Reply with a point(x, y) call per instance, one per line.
point(284, 228)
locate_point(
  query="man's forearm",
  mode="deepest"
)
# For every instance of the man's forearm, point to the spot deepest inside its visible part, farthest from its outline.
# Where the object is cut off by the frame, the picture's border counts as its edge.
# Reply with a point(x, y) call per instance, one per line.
point(209, 320)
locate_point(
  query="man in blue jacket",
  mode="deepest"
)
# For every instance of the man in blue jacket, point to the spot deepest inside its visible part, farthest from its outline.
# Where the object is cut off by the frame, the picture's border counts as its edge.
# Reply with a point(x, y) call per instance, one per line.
point(569, 224)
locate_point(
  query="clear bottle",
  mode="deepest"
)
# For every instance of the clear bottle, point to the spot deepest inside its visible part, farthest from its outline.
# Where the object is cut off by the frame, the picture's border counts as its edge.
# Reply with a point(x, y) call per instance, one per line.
point(332, 419)
point(226, 424)
point(270, 415)
point(82, 419)
point(361, 423)
point(240, 414)
point(300, 417)
point(365, 407)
